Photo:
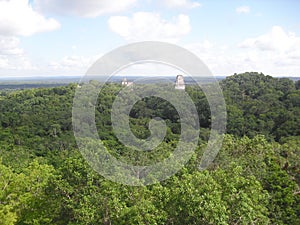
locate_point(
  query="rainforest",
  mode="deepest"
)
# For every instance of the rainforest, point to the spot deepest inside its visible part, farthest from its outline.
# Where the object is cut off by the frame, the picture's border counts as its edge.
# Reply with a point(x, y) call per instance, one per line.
point(254, 179)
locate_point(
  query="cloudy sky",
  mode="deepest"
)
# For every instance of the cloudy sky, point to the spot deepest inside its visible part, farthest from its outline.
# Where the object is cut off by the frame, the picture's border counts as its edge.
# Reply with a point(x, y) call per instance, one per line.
point(64, 37)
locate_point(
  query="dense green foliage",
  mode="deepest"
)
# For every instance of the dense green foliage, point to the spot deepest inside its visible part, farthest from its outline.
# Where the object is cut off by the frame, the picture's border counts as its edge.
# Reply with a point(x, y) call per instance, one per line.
point(259, 104)
point(255, 178)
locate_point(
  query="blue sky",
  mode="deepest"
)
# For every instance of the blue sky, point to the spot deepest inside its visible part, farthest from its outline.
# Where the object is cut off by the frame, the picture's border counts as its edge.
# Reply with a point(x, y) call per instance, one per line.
point(62, 37)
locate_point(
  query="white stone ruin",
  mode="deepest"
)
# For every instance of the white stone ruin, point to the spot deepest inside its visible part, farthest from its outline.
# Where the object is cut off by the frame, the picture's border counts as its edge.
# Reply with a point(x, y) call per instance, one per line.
point(126, 83)
point(180, 85)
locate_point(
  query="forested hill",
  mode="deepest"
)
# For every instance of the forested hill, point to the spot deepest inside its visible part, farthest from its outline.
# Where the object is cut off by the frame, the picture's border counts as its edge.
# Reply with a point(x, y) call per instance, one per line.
point(254, 180)
point(259, 104)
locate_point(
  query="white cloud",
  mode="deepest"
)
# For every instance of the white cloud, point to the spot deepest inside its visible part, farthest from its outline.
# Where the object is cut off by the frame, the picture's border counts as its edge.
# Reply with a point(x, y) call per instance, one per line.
point(18, 18)
point(88, 8)
point(243, 9)
point(282, 58)
point(217, 57)
point(275, 40)
point(149, 69)
point(74, 64)
point(20, 65)
point(150, 26)
point(201, 47)
point(12, 57)
point(181, 4)
point(10, 46)
point(276, 52)
point(15, 62)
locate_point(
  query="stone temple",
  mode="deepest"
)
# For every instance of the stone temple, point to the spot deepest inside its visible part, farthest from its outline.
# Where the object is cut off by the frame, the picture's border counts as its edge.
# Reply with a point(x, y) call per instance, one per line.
point(126, 83)
point(180, 85)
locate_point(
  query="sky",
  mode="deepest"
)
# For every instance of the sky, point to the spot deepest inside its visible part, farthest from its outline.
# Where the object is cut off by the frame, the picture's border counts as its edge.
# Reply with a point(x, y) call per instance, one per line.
point(64, 37)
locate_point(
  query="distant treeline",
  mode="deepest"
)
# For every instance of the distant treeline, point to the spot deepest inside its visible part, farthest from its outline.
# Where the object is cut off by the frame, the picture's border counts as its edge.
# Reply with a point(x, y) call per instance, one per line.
point(21, 86)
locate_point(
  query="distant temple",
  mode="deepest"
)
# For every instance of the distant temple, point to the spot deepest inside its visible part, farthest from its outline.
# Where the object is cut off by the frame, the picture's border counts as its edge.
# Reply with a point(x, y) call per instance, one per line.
point(126, 83)
point(180, 85)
